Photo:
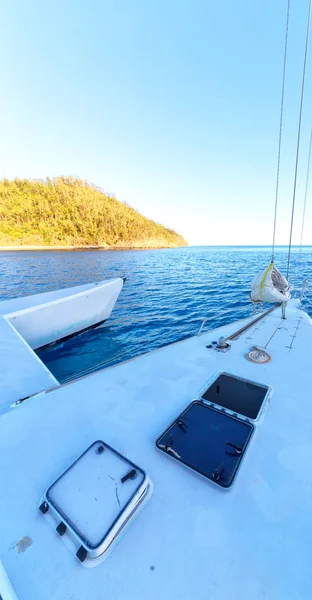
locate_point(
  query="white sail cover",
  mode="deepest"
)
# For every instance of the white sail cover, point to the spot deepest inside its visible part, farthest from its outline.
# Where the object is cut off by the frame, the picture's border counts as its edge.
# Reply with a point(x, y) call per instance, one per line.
point(270, 286)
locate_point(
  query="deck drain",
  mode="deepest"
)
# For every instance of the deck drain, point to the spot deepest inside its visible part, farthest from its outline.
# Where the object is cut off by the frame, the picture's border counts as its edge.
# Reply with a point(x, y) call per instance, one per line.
point(258, 355)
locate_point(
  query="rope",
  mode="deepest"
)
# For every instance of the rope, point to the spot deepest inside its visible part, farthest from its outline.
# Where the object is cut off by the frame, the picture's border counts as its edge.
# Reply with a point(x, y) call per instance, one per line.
point(299, 136)
point(306, 192)
point(280, 130)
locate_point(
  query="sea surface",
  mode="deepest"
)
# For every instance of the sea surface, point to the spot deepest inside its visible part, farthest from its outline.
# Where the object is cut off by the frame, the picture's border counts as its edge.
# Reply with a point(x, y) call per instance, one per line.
point(165, 298)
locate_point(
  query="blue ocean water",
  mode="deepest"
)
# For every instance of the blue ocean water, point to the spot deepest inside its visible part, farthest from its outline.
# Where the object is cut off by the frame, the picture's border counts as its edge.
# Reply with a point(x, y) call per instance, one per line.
point(165, 298)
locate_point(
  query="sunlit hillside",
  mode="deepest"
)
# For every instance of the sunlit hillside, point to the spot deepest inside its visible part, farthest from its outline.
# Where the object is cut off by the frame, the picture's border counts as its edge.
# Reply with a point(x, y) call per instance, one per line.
point(70, 212)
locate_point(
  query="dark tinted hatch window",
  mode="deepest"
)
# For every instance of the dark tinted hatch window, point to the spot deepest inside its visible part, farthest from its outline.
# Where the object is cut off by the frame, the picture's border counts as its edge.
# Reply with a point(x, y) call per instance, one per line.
point(237, 395)
point(207, 440)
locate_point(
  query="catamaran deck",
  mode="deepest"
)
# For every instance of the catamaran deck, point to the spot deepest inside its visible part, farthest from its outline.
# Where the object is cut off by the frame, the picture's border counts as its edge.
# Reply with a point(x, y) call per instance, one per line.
point(192, 539)
point(22, 373)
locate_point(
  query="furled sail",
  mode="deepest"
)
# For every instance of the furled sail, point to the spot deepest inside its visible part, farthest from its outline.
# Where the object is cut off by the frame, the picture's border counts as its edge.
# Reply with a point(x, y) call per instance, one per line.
point(270, 286)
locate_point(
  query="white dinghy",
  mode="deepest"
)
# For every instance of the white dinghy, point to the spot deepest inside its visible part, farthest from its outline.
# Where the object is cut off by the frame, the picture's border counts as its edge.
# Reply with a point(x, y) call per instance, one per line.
point(45, 318)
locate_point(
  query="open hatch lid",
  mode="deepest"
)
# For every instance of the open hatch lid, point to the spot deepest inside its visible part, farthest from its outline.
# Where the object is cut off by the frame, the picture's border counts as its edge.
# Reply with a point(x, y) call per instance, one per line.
point(237, 395)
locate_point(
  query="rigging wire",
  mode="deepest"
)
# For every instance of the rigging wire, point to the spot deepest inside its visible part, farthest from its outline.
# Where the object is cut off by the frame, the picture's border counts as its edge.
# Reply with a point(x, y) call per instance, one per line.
point(306, 192)
point(280, 130)
point(299, 137)
point(123, 355)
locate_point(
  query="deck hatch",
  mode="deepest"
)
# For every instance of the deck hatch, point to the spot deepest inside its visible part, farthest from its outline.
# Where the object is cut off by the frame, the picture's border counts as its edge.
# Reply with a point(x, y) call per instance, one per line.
point(208, 441)
point(95, 498)
point(238, 395)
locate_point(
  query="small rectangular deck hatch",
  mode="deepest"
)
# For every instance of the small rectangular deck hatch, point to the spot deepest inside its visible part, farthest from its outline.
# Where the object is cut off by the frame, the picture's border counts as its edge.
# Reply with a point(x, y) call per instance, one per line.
point(238, 395)
point(208, 441)
point(92, 501)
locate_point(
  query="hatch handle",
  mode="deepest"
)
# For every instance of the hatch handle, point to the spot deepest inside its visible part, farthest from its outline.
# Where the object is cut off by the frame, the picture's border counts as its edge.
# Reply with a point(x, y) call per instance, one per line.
point(237, 449)
point(182, 425)
point(130, 475)
point(216, 474)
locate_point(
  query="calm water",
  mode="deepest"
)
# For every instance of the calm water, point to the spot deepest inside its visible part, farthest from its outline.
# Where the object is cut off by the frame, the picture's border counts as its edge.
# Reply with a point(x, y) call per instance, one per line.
point(165, 298)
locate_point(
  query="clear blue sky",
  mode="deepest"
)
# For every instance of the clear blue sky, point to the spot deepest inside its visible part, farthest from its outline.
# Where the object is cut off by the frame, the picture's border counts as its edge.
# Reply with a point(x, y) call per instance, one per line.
point(172, 105)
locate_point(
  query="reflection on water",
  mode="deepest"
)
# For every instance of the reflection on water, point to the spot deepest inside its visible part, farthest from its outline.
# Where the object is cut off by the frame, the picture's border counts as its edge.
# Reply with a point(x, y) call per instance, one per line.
point(165, 297)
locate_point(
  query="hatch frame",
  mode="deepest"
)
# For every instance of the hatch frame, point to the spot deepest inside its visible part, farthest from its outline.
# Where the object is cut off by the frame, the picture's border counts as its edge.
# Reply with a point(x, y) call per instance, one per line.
point(73, 538)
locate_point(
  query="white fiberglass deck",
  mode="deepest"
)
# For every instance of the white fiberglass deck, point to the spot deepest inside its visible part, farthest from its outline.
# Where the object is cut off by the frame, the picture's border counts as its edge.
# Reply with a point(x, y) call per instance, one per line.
point(22, 373)
point(192, 540)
